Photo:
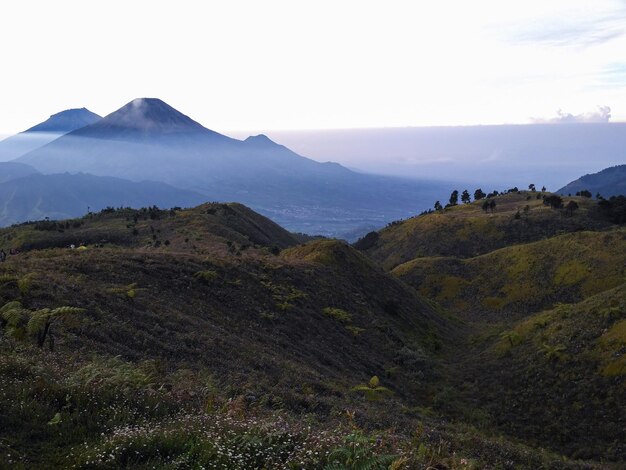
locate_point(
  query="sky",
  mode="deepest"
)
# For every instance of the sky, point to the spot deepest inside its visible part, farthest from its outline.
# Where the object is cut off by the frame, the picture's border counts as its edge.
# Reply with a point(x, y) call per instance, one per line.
point(251, 65)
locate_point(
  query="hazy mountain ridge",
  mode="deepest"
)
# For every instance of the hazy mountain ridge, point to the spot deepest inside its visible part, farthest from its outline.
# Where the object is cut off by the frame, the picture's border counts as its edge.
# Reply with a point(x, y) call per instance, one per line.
point(608, 182)
point(45, 132)
point(12, 170)
point(66, 121)
point(61, 196)
point(148, 140)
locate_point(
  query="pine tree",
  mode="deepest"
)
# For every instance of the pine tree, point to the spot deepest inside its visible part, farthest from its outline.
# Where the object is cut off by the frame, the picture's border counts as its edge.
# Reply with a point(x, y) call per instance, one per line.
point(454, 198)
point(465, 197)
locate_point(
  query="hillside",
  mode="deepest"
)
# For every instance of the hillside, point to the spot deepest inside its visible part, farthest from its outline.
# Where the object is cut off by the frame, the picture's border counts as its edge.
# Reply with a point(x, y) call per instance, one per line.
point(514, 281)
point(541, 293)
point(558, 376)
point(608, 182)
point(211, 335)
point(466, 230)
point(197, 295)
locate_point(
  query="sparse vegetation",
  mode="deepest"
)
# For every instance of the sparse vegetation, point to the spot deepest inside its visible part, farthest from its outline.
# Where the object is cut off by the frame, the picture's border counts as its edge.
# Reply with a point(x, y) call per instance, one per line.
point(211, 351)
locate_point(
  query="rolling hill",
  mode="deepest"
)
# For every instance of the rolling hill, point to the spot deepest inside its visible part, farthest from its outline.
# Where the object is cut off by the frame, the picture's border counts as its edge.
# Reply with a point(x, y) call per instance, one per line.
point(202, 301)
point(466, 230)
point(541, 294)
point(187, 336)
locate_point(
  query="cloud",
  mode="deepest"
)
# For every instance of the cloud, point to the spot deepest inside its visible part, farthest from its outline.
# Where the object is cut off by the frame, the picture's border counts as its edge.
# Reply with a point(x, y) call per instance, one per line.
point(573, 27)
point(581, 35)
point(601, 114)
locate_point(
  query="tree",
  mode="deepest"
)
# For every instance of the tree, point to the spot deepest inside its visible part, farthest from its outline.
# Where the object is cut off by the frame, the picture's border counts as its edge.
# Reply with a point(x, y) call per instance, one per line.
point(531, 187)
point(489, 205)
point(543, 189)
point(554, 201)
point(584, 193)
point(614, 209)
point(478, 194)
point(438, 206)
point(571, 207)
point(454, 198)
point(465, 197)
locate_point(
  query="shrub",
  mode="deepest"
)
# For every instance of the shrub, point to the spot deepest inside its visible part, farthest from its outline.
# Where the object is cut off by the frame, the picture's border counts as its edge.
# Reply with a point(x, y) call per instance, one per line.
point(338, 314)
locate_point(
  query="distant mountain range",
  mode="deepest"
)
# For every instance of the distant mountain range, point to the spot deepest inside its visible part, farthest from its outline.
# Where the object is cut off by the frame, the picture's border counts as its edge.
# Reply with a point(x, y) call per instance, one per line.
point(149, 140)
point(45, 132)
point(61, 196)
point(608, 182)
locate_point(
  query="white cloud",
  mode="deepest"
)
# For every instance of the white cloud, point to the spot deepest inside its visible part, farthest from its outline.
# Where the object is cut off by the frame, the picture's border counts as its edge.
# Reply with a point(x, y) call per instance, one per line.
point(600, 114)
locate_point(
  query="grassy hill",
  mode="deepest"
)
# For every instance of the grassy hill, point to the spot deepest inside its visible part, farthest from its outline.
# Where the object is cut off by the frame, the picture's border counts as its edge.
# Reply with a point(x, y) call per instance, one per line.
point(559, 376)
point(212, 336)
point(541, 292)
point(514, 281)
point(466, 230)
point(189, 306)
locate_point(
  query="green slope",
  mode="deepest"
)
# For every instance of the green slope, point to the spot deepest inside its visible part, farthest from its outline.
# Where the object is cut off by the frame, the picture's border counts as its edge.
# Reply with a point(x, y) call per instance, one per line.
point(466, 230)
point(560, 376)
point(517, 280)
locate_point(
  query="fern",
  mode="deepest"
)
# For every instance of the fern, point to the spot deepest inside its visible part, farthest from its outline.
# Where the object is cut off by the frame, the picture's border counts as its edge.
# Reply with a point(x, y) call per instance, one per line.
point(11, 306)
point(13, 313)
point(7, 278)
point(66, 311)
point(38, 321)
point(24, 283)
point(206, 276)
point(129, 291)
point(373, 390)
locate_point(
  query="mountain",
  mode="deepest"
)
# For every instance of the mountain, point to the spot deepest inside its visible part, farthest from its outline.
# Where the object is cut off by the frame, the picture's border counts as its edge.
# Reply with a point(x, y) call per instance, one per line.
point(66, 121)
point(608, 182)
point(45, 132)
point(36, 196)
point(12, 170)
point(149, 140)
